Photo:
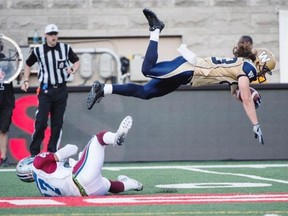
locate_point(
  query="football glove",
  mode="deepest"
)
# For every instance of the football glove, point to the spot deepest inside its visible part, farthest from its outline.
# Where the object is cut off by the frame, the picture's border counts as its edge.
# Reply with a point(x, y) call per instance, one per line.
point(258, 133)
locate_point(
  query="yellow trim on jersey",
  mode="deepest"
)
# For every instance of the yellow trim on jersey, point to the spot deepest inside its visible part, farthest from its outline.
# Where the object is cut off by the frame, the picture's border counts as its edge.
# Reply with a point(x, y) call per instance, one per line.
point(80, 187)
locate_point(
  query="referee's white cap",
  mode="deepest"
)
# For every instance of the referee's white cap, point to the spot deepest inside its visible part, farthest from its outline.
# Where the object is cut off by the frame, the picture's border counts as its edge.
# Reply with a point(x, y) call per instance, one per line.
point(51, 28)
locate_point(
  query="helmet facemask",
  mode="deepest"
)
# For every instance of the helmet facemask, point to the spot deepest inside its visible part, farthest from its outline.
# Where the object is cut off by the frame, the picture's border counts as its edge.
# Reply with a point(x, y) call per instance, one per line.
point(262, 73)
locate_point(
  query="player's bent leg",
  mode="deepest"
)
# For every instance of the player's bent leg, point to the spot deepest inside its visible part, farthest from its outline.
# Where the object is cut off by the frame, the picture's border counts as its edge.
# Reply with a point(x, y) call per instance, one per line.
point(99, 187)
point(129, 90)
point(160, 87)
point(87, 171)
point(150, 59)
point(166, 69)
point(116, 187)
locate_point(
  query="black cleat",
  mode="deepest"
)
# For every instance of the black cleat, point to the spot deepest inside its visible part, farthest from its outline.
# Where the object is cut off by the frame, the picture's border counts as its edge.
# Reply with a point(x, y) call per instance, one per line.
point(153, 21)
point(4, 162)
point(95, 95)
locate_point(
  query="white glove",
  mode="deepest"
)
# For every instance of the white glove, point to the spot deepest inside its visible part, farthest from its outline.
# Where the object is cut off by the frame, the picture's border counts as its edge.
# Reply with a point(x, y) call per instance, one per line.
point(258, 133)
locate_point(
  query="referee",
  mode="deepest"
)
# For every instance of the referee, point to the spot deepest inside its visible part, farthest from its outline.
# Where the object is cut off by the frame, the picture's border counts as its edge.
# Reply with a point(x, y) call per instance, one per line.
point(54, 60)
point(7, 104)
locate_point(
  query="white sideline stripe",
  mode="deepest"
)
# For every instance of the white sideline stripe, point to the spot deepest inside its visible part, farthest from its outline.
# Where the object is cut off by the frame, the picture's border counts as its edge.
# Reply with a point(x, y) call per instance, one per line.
point(261, 166)
point(191, 199)
point(207, 199)
point(213, 185)
point(31, 202)
point(237, 174)
point(140, 200)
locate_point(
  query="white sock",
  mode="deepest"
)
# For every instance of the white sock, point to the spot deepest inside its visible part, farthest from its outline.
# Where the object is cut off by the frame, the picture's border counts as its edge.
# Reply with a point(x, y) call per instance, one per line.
point(154, 35)
point(108, 88)
point(109, 138)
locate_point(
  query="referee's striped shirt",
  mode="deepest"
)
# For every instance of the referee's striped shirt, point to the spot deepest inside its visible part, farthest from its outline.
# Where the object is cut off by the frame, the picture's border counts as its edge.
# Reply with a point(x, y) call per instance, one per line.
point(52, 62)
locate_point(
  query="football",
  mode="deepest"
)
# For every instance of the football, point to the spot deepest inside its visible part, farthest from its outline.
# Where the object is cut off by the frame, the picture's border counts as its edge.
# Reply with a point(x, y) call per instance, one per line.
point(255, 95)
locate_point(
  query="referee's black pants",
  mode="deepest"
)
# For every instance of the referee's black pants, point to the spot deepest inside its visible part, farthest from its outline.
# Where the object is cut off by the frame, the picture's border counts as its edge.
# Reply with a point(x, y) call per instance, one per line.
point(52, 100)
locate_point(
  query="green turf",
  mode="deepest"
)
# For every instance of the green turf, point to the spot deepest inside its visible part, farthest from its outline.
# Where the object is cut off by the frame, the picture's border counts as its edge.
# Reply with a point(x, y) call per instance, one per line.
point(150, 175)
point(202, 210)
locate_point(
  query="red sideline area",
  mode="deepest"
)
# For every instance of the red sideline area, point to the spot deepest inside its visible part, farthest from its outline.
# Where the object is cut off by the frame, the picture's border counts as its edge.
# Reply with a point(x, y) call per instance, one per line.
point(126, 200)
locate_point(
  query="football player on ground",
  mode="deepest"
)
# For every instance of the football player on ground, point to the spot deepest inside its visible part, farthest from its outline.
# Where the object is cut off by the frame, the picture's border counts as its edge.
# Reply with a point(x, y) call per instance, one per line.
point(169, 75)
point(54, 177)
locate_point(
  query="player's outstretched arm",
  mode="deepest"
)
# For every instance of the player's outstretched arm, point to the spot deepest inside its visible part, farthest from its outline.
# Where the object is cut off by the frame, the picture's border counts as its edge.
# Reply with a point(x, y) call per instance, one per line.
point(249, 106)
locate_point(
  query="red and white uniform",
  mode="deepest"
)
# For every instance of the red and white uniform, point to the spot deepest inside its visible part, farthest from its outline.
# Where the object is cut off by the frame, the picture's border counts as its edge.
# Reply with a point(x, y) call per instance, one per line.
point(54, 179)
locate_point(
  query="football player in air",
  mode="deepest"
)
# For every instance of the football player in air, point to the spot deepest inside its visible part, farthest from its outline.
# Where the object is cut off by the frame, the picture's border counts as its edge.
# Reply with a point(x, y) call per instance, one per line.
point(54, 177)
point(167, 76)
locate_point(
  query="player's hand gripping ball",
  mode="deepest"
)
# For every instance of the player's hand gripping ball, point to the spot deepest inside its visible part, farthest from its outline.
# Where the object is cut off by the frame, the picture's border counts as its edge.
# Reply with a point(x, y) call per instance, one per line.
point(255, 96)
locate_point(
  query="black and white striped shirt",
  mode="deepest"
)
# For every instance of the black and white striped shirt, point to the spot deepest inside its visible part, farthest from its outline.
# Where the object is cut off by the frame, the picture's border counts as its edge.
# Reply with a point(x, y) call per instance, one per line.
point(52, 62)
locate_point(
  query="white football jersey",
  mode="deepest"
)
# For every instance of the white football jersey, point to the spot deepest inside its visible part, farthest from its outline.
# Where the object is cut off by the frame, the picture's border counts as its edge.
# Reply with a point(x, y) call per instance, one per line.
point(54, 179)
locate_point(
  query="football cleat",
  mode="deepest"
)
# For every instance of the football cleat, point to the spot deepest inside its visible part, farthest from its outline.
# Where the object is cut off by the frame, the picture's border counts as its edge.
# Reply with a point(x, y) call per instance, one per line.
point(153, 20)
point(4, 162)
point(95, 95)
point(123, 130)
point(130, 184)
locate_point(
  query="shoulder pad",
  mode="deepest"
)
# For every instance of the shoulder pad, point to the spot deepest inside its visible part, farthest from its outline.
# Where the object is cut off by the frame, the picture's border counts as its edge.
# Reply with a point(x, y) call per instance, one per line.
point(250, 70)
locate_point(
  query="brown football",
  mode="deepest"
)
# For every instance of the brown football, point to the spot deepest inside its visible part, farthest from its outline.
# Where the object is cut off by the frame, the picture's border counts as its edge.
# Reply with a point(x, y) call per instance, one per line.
point(255, 94)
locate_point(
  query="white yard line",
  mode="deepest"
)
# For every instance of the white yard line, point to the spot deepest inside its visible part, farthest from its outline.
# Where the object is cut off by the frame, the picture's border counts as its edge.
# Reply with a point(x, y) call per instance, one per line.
point(259, 166)
point(236, 174)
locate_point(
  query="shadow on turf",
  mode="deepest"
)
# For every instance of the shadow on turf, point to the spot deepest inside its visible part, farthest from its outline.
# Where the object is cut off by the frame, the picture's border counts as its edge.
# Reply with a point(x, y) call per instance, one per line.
point(167, 190)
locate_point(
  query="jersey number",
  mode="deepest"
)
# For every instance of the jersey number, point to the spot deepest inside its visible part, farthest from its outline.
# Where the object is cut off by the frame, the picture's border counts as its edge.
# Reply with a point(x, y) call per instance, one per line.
point(46, 187)
point(216, 60)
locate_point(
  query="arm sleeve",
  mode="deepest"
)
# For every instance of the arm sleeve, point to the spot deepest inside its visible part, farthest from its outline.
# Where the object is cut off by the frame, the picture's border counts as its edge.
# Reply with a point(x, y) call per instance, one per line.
point(32, 59)
point(45, 161)
point(66, 152)
point(72, 56)
point(250, 71)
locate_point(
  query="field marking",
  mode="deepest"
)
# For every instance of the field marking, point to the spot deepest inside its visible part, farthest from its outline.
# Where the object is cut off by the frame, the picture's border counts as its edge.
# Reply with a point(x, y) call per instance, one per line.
point(237, 174)
point(139, 200)
point(258, 166)
point(199, 168)
point(212, 185)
